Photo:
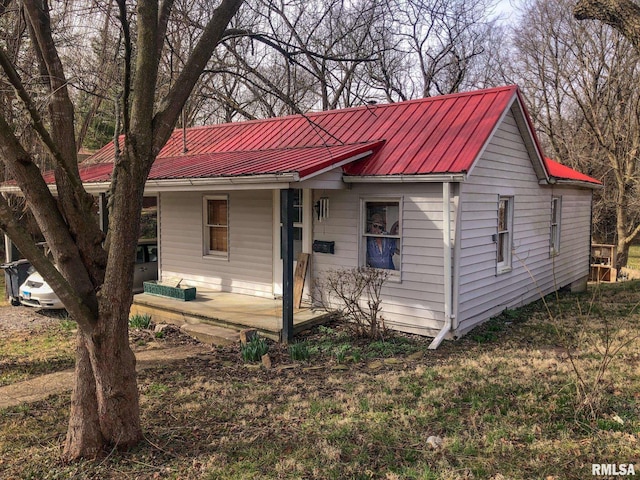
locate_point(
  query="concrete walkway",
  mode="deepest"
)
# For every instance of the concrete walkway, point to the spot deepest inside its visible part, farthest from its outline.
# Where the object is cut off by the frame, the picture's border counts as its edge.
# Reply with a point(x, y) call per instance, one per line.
point(40, 388)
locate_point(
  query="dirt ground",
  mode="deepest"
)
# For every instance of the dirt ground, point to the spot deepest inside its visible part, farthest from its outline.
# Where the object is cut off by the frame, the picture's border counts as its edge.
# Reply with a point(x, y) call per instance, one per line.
point(26, 319)
point(20, 321)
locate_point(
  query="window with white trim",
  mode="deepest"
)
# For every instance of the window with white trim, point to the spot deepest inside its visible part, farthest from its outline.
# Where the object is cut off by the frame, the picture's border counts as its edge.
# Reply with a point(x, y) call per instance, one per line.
point(382, 233)
point(554, 241)
point(505, 234)
point(298, 217)
point(216, 225)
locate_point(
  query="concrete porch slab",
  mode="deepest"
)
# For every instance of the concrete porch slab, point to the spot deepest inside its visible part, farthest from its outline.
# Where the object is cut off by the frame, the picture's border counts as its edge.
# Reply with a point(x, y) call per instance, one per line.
point(211, 334)
point(228, 310)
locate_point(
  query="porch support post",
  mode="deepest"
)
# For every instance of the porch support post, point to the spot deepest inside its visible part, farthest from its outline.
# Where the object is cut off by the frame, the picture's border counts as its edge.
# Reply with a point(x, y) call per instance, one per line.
point(286, 216)
point(103, 212)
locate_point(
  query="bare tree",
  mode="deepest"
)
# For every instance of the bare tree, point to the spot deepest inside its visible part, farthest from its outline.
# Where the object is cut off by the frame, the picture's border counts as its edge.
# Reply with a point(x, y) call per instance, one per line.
point(312, 53)
point(443, 39)
point(92, 278)
point(583, 84)
point(290, 56)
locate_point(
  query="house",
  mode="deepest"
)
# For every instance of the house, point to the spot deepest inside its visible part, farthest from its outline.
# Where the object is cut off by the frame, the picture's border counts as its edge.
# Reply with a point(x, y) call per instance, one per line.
point(480, 220)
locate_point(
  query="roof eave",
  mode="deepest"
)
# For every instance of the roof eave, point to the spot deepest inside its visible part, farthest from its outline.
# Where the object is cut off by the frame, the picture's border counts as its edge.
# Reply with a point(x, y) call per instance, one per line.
point(426, 178)
point(571, 183)
point(265, 181)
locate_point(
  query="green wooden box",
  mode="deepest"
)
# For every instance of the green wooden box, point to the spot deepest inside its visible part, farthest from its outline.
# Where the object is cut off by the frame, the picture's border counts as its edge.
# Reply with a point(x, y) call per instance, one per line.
point(179, 293)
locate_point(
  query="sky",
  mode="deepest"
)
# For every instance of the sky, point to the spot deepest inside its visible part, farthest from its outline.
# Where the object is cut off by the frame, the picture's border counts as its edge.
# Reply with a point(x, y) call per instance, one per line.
point(504, 8)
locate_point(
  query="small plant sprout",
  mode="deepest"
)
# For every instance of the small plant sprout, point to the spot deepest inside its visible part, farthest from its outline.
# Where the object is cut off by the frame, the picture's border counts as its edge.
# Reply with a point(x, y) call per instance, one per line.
point(299, 352)
point(140, 321)
point(340, 352)
point(254, 349)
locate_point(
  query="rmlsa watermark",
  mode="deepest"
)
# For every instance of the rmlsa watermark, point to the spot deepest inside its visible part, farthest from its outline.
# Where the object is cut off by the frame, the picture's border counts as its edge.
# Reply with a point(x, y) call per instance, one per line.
point(612, 469)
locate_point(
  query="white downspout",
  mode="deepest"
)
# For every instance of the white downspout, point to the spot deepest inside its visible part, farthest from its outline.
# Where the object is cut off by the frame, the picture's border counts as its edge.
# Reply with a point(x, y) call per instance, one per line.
point(446, 240)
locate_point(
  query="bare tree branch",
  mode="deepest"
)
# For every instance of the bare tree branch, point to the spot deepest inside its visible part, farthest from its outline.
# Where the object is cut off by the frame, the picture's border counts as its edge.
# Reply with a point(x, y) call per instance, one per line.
point(623, 15)
point(171, 106)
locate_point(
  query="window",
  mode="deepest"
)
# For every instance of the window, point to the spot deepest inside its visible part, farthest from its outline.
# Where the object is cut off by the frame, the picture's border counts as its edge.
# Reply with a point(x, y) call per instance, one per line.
point(298, 210)
point(216, 225)
point(382, 237)
point(554, 244)
point(505, 233)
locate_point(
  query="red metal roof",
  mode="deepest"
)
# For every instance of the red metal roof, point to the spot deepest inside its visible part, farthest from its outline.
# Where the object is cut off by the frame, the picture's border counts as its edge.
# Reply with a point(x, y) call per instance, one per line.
point(302, 160)
point(563, 172)
point(432, 135)
point(436, 135)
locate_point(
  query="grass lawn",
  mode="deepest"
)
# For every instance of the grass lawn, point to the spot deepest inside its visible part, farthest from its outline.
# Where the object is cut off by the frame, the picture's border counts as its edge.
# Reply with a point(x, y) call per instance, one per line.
point(3, 300)
point(522, 397)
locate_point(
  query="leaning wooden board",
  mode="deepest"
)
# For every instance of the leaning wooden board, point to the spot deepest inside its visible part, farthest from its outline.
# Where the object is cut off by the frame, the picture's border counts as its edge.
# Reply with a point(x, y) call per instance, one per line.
point(298, 278)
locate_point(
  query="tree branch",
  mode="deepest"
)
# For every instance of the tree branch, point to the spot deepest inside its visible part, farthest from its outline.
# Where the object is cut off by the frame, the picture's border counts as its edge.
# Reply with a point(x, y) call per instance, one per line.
point(23, 240)
point(126, 33)
point(282, 46)
point(623, 15)
point(37, 122)
point(173, 103)
point(75, 202)
point(47, 216)
point(163, 21)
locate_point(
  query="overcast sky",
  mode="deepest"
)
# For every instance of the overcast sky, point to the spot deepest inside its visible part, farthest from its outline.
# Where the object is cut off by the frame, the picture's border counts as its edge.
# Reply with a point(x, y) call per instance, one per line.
point(504, 8)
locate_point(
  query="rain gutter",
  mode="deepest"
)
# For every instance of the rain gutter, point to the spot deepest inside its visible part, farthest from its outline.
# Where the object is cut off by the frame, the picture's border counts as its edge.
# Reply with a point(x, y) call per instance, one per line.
point(448, 281)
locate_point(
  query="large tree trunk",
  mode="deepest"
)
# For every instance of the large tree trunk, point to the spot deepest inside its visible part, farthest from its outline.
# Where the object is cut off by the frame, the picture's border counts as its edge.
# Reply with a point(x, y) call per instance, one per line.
point(105, 410)
point(95, 280)
point(104, 405)
point(84, 437)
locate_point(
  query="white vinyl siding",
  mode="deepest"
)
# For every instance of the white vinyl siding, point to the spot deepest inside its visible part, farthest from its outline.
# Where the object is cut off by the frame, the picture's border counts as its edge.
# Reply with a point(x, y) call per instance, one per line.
point(416, 302)
point(248, 267)
point(505, 169)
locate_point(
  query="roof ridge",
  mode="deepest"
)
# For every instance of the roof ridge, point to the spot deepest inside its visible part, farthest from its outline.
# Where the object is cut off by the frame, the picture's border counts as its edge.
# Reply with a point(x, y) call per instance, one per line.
point(276, 149)
point(346, 110)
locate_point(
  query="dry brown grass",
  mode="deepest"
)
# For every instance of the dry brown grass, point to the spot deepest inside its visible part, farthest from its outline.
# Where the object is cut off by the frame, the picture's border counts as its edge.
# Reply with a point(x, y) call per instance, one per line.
point(504, 400)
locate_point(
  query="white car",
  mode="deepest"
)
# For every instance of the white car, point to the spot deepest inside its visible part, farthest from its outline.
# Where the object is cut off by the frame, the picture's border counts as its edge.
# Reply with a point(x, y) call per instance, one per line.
point(35, 292)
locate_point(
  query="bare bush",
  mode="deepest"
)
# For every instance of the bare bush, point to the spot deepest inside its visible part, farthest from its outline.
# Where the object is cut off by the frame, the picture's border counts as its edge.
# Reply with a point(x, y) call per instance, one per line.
point(594, 342)
point(355, 295)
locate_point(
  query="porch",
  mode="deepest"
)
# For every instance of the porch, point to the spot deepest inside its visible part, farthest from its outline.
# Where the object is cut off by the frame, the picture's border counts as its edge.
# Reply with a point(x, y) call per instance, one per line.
point(227, 310)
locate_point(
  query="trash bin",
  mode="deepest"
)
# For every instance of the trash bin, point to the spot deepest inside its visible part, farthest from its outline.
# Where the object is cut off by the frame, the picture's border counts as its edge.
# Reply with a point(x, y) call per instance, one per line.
point(15, 274)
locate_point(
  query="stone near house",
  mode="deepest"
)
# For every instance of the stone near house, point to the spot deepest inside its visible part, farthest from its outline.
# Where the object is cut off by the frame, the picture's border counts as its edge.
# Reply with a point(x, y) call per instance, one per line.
point(415, 356)
point(160, 327)
point(434, 442)
point(266, 361)
point(375, 365)
point(392, 361)
point(247, 334)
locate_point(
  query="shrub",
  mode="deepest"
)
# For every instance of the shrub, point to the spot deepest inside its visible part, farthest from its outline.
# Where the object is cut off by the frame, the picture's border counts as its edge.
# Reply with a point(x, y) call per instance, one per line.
point(355, 294)
point(254, 349)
